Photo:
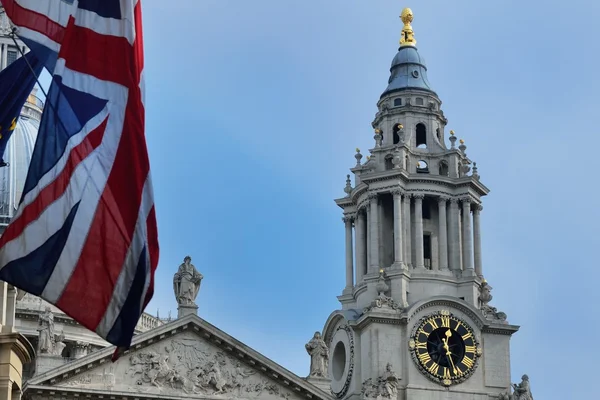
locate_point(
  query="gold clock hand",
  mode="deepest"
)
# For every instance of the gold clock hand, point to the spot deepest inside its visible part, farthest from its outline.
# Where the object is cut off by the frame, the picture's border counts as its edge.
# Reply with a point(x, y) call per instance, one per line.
point(447, 348)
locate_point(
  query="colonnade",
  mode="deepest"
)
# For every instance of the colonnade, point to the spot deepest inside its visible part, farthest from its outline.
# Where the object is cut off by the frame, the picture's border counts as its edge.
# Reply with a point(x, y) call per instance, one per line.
point(458, 236)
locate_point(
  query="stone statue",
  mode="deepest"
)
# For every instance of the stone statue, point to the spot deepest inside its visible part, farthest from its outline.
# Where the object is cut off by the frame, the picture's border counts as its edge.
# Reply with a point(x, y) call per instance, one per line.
point(485, 294)
point(522, 391)
point(390, 382)
point(186, 283)
point(319, 356)
point(46, 332)
point(59, 345)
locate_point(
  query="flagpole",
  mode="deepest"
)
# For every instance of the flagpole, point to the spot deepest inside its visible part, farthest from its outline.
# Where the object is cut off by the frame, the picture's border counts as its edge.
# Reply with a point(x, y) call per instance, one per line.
point(37, 80)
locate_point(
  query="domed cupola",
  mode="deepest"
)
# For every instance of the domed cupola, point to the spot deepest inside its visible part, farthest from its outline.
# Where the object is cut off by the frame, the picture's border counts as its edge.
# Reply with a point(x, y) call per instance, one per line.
point(408, 70)
point(18, 155)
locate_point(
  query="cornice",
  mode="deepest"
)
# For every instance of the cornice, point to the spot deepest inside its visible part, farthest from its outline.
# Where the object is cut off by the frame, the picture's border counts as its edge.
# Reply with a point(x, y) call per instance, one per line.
point(379, 318)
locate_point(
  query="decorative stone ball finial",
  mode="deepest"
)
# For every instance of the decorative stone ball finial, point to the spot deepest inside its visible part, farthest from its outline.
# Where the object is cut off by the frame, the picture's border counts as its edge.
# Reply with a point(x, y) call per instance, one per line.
point(348, 188)
point(378, 137)
point(358, 157)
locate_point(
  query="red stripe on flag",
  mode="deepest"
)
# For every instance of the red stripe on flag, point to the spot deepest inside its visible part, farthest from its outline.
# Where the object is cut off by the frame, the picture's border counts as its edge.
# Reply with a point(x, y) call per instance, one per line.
point(26, 18)
point(53, 191)
point(153, 250)
point(85, 51)
point(110, 235)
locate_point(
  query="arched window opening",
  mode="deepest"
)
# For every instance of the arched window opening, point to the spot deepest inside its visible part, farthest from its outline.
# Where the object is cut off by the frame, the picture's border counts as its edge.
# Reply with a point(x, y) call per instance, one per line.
point(422, 167)
point(396, 136)
point(419, 101)
point(421, 136)
point(427, 250)
point(397, 102)
point(426, 208)
point(406, 164)
point(443, 168)
point(438, 133)
point(388, 162)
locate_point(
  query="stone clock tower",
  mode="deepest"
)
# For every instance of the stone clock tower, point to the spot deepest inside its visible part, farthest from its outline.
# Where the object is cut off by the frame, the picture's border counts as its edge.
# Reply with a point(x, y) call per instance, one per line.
point(415, 321)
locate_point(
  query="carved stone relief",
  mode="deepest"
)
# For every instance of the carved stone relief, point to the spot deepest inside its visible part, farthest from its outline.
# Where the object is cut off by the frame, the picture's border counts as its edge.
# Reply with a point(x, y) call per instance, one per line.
point(185, 365)
point(385, 386)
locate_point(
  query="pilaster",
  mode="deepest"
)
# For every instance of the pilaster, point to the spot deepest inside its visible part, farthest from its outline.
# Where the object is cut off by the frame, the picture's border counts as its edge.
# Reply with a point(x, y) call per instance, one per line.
point(454, 236)
point(419, 254)
point(477, 239)
point(442, 234)
point(398, 228)
point(467, 237)
point(407, 231)
point(374, 232)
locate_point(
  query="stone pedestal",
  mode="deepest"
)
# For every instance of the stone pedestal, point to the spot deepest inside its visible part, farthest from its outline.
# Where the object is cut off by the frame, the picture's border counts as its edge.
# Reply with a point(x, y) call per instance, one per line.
point(183, 311)
point(322, 383)
point(47, 362)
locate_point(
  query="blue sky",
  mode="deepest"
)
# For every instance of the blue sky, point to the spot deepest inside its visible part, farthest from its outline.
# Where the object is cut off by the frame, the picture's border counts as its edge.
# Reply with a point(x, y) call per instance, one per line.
point(254, 110)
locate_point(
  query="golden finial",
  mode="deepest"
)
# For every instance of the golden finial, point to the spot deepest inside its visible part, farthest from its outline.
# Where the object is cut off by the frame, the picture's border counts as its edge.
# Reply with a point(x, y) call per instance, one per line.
point(357, 150)
point(381, 270)
point(483, 281)
point(407, 38)
point(400, 126)
point(377, 131)
point(462, 141)
point(368, 157)
point(452, 133)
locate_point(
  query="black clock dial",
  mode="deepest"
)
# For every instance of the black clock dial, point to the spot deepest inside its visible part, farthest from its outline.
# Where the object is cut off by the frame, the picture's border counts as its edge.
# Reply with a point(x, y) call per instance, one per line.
point(445, 348)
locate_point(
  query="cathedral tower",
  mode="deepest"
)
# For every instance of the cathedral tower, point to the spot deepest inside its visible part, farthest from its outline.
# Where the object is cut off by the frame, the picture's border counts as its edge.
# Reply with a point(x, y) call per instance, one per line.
point(415, 321)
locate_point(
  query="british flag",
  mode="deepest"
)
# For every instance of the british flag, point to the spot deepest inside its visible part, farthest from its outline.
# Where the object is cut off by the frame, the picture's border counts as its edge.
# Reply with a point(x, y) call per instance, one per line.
point(84, 237)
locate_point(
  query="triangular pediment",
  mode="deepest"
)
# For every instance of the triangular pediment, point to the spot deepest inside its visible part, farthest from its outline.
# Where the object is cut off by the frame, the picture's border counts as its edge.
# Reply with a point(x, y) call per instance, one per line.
point(186, 358)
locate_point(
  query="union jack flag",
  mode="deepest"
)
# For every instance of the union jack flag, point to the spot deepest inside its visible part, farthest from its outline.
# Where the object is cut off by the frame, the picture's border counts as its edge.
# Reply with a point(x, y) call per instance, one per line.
point(84, 237)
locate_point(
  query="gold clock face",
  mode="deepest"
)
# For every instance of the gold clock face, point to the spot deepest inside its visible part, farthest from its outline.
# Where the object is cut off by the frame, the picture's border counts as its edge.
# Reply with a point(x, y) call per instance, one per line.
point(445, 348)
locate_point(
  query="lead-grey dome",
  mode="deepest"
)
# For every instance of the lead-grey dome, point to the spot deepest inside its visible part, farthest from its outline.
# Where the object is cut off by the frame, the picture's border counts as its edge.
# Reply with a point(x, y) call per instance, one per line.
point(408, 71)
point(18, 154)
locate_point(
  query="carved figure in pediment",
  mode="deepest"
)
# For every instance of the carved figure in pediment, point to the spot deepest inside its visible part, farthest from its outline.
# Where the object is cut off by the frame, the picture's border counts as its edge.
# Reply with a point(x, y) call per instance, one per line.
point(319, 355)
point(241, 373)
point(192, 367)
point(46, 332)
point(186, 283)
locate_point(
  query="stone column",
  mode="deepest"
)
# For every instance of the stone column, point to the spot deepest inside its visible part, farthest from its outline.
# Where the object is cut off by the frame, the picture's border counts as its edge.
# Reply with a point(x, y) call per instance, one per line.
point(443, 234)
point(477, 239)
point(374, 232)
point(454, 236)
point(407, 231)
point(467, 235)
point(349, 260)
point(361, 253)
point(419, 231)
point(398, 240)
point(11, 308)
